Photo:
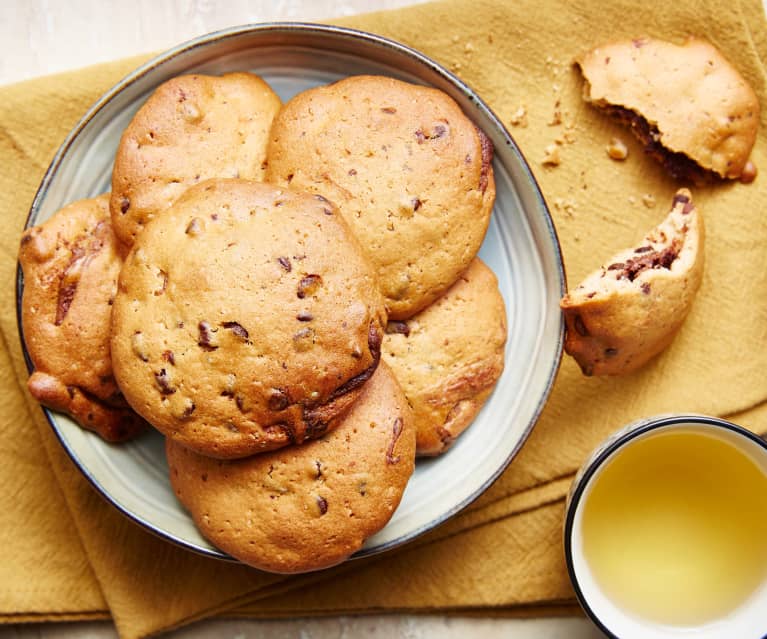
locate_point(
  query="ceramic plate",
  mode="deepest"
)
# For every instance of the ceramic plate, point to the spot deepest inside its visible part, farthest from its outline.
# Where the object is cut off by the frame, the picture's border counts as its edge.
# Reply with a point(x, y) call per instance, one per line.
point(521, 247)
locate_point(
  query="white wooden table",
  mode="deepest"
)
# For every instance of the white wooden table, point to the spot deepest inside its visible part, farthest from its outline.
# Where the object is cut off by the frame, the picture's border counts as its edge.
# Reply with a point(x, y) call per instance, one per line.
point(45, 36)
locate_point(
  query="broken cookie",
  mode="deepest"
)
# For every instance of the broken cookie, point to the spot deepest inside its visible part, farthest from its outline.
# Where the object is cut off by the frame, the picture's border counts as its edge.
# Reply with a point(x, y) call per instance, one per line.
point(687, 104)
point(628, 311)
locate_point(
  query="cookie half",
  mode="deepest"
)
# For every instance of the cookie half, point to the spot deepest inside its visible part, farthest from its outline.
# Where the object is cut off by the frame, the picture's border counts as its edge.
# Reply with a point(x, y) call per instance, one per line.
point(307, 507)
point(192, 128)
point(410, 173)
point(71, 263)
point(629, 310)
point(690, 107)
point(247, 318)
point(449, 356)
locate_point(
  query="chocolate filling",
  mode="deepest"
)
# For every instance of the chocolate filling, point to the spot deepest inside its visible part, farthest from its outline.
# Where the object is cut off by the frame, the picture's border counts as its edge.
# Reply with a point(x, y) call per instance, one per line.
point(205, 340)
point(70, 276)
point(279, 399)
point(679, 165)
point(188, 410)
point(238, 329)
point(308, 285)
point(374, 344)
point(657, 259)
point(67, 290)
point(316, 417)
point(391, 458)
point(439, 130)
point(397, 327)
point(163, 382)
point(487, 159)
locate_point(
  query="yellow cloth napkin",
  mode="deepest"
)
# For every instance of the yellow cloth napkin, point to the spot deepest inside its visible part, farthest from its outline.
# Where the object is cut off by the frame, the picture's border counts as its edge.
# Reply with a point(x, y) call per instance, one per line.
point(66, 554)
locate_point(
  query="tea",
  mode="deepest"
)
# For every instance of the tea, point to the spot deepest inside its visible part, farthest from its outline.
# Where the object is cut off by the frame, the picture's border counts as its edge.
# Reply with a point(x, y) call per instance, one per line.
point(674, 528)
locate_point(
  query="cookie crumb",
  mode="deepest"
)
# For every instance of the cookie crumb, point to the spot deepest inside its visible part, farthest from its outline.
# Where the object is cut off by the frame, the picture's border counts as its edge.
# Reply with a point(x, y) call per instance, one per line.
point(552, 156)
point(469, 47)
point(648, 200)
point(556, 119)
point(632, 200)
point(519, 117)
point(617, 150)
point(568, 207)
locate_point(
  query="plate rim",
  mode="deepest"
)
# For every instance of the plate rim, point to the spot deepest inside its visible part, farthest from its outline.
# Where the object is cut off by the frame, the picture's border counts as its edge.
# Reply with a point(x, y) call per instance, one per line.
point(324, 30)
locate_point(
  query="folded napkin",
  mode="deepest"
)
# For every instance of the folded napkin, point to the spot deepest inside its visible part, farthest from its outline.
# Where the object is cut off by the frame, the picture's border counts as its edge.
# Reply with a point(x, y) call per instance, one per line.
point(66, 554)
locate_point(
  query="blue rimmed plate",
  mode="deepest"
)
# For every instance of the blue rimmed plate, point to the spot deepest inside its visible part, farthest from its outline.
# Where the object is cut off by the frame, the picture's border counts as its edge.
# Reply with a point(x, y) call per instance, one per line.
point(521, 247)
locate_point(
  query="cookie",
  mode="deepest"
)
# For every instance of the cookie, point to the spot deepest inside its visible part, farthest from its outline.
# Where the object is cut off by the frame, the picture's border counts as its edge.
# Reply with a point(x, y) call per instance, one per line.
point(246, 318)
point(686, 103)
point(628, 311)
point(191, 128)
point(410, 173)
point(449, 356)
point(70, 265)
point(307, 507)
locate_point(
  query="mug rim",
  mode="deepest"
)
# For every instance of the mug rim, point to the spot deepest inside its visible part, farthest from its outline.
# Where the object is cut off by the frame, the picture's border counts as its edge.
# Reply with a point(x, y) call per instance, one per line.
point(640, 428)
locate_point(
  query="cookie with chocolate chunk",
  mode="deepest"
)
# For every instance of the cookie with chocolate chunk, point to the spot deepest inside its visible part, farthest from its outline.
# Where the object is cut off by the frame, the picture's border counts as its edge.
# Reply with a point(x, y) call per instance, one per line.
point(410, 173)
point(686, 103)
point(70, 265)
point(192, 128)
point(246, 318)
point(307, 507)
point(625, 313)
point(449, 356)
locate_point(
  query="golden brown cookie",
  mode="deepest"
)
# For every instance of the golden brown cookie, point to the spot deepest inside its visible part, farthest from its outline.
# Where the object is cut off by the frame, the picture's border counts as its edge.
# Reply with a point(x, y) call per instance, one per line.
point(70, 264)
point(247, 318)
point(192, 128)
point(449, 356)
point(686, 103)
point(410, 173)
point(306, 507)
point(628, 311)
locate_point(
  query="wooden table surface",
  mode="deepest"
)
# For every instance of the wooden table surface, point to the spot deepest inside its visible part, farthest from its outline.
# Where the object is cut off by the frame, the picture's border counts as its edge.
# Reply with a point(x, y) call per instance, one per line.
point(45, 36)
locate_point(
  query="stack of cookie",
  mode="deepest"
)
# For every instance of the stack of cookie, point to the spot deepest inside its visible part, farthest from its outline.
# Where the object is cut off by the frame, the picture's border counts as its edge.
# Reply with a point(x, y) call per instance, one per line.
point(239, 287)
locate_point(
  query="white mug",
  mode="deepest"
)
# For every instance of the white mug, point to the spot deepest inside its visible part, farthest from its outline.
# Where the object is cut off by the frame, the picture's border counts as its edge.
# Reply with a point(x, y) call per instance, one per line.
point(747, 621)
